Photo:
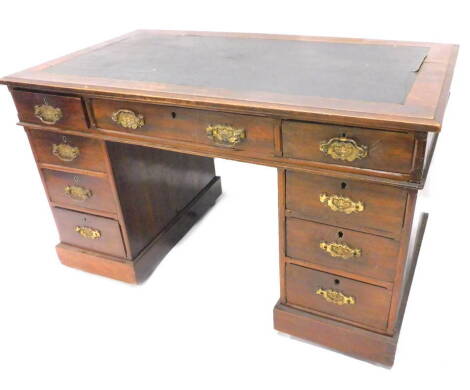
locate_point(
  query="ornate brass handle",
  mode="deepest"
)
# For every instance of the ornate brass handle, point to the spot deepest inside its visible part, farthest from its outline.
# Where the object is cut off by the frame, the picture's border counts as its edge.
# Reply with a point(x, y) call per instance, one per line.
point(225, 135)
point(342, 250)
point(342, 148)
point(336, 297)
point(128, 119)
point(78, 193)
point(341, 203)
point(48, 114)
point(87, 232)
point(65, 152)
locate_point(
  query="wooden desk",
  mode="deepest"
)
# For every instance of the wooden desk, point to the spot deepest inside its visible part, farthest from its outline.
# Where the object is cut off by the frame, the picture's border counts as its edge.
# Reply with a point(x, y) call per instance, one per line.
point(124, 135)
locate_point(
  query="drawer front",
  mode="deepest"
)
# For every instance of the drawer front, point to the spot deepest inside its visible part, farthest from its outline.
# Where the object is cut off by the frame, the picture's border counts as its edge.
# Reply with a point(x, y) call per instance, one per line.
point(340, 297)
point(50, 110)
point(75, 190)
point(342, 249)
point(347, 203)
point(349, 146)
point(68, 151)
point(239, 132)
point(89, 232)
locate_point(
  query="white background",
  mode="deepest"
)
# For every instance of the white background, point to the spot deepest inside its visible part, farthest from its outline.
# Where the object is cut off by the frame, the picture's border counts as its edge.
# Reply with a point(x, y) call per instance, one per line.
point(204, 319)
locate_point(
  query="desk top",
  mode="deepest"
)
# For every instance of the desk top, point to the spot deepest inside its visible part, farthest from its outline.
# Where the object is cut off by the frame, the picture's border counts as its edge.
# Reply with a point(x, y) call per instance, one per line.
point(389, 83)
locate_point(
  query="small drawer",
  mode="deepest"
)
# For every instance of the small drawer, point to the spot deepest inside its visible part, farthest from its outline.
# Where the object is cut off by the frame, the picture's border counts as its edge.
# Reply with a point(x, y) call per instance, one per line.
point(342, 249)
point(368, 207)
point(74, 190)
point(340, 297)
point(252, 134)
point(68, 151)
point(91, 232)
point(50, 110)
point(349, 146)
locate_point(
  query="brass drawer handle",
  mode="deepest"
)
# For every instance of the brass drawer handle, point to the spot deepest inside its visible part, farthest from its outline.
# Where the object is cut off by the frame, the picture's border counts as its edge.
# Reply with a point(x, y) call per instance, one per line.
point(225, 135)
point(341, 203)
point(128, 119)
point(336, 297)
point(342, 250)
point(87, 232)
point(78, 193)
point(48, 114)
point(65, 152)
point(345, 149)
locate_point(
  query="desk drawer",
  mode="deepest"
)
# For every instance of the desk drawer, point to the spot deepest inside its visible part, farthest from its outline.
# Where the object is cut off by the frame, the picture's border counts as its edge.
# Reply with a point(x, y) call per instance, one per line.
point(349, 146)
point(74, 190)
point(239, 132)
point(340, 297)
point(68, 151)
point(50, 110)
point(346, 203)
point(342, 249)
point(89, 232)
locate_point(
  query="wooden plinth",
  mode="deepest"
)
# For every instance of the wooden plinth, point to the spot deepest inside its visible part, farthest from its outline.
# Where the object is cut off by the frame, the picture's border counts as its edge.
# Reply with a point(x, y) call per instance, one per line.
point(138, 270)
point(357, 342)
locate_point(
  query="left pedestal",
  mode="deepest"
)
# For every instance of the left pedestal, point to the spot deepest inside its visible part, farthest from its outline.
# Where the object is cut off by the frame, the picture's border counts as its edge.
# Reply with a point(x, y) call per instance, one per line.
point(120, 208)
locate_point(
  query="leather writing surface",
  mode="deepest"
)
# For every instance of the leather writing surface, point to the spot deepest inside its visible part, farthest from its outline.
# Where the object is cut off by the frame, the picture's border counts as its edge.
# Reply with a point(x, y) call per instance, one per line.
point(353, 71)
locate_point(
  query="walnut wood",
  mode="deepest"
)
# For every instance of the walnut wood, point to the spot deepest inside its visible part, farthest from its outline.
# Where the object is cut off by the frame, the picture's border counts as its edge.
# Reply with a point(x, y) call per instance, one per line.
point(390, 178)
point(352, 340)
point(372, 302)
point(91, 151)
point(71, 107)
point(378, 254)
point(386, 151)
point(405, 243)
point(97, 263)
point(153, 186)
point(176, 229)
point(109, 243)
point(140, 269)
point(422, 110)
point(101, 195)
point(187, 125)
point(384, 206)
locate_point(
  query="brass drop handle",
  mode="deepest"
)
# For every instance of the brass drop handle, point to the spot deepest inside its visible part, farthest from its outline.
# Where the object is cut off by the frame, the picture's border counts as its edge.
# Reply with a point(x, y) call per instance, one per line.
point(341, 250)
point(88, 233)
point(128, 119)
point(343, 148)
point(48, 114)
point(65, 152)
point(78, 193)
point(225, 135)
point(342, 204)
point(336, 297)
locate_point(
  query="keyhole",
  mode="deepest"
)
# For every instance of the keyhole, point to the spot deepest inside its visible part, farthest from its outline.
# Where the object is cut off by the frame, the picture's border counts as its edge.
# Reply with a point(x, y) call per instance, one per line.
point(343, 185)
point(340, 234)
point(173, 115)
point(336, 281)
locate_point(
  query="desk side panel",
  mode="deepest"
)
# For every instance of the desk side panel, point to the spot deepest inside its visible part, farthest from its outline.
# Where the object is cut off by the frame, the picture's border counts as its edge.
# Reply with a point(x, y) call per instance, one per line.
point(154, 186)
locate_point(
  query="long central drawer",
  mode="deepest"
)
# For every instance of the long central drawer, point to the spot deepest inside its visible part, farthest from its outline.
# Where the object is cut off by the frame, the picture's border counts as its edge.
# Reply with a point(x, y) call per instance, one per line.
point(250, 134)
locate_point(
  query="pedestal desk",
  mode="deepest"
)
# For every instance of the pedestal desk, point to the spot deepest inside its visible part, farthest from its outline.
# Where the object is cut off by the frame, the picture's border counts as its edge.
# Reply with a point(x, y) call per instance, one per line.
point(124, 135)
